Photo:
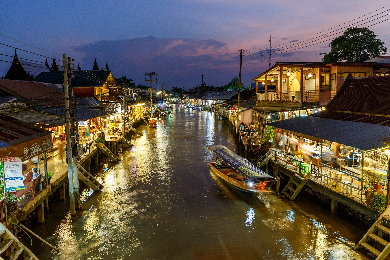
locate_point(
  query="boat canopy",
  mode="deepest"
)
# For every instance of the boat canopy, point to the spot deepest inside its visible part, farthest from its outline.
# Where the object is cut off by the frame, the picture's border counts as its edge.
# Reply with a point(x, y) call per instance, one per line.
point(239, 163)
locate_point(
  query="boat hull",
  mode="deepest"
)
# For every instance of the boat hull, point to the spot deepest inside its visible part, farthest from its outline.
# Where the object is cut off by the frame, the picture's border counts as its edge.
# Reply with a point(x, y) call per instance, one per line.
point(239, 185)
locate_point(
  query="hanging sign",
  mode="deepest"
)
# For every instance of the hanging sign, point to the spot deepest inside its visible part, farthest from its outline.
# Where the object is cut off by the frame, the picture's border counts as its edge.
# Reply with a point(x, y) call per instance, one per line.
point(13, 174)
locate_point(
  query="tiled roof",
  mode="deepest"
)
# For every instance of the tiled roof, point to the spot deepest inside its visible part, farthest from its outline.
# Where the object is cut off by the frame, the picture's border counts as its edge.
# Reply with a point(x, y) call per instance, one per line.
point(366, 95)
point(83, 78)
point(32, 93)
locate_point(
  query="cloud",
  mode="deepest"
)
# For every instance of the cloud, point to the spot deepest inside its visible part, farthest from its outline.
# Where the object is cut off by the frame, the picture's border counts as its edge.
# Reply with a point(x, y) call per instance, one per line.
point(177, 62)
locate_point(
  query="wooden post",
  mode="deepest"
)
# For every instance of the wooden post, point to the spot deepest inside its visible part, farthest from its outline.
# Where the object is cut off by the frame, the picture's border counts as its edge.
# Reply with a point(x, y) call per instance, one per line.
point(278, 184)
point(281, 83)
point(257, 87)
point(388, 184)
point(333, 206)
point(321, 156)
point(362, 180)
point(45, 168)
point(266, 88)
point(41, 213)
point(301, 87)
point(62, 191)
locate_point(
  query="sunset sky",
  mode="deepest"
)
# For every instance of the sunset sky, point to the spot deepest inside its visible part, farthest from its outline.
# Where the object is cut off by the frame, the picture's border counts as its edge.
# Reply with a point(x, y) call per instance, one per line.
point(179, 39)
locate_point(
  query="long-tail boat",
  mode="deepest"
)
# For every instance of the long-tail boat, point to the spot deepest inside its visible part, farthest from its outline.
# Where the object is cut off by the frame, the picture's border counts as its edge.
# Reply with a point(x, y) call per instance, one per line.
point(238, 171)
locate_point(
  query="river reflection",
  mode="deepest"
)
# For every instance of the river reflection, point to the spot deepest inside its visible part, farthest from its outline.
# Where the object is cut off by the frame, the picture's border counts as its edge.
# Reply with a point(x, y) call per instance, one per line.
point(162, 202)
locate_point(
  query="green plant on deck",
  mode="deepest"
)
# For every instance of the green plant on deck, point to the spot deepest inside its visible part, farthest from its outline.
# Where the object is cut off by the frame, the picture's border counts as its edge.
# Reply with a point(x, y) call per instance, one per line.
point(268, 135)
point(99, 140)
point(50, 174)
point(379, 203)
point(373, 179)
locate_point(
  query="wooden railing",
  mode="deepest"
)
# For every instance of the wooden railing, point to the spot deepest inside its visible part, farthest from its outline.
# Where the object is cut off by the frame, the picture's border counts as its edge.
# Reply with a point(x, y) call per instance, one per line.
point(326, 176)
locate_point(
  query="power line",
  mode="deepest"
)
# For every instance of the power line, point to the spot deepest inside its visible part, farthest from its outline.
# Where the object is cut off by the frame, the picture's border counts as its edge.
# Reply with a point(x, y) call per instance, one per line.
point(28, 44)
point(366, 20)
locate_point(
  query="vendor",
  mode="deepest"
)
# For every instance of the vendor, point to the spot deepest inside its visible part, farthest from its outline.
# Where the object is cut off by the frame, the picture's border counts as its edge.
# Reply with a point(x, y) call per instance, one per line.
point(344, 153)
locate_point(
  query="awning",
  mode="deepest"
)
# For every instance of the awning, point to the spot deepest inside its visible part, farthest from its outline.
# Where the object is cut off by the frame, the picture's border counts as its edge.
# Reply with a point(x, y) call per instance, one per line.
point(20, 139)
point(81, 113)
point(238, 163)
point(360, 135)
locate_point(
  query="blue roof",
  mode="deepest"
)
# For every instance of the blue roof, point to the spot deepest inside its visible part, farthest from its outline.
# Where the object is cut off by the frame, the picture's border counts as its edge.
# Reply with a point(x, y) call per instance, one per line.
point(360, 135)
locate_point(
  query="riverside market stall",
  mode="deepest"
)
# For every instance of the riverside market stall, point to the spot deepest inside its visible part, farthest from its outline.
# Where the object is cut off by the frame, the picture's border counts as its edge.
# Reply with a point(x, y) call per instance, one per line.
point(22, 141)
point(362, 139)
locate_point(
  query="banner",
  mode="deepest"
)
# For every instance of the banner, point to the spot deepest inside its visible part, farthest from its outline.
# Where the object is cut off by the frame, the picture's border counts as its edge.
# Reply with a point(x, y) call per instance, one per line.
point(13, 174)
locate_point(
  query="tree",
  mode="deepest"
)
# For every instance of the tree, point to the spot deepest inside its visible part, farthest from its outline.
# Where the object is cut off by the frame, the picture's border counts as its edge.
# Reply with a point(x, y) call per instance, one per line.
point(128, 82)
point(233, 84)
point(355, 45)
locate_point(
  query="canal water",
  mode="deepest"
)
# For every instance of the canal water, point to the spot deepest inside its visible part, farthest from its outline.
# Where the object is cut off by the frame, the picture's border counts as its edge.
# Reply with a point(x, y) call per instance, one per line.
point(161, 202)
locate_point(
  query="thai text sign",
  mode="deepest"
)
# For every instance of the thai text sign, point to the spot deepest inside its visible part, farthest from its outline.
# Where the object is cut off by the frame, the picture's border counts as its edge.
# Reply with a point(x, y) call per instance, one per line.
point(13, 174)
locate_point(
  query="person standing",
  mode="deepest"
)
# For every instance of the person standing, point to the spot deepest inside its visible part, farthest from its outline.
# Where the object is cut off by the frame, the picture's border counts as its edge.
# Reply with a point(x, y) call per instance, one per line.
point(61, 150)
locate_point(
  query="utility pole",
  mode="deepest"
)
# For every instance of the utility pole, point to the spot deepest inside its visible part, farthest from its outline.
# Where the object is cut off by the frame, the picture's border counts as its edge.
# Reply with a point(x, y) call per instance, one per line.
point(124, 109)
point(162, 93)
point(239, 93)
point(68, 140)
point(74, 137)
point(151, 74)
point(270, 52)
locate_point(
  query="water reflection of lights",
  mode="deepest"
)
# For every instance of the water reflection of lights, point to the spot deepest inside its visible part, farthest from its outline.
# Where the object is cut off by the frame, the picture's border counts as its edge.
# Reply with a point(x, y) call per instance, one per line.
point(290, 215)
point(85, 194)
point(250, 216)
point(67, 242)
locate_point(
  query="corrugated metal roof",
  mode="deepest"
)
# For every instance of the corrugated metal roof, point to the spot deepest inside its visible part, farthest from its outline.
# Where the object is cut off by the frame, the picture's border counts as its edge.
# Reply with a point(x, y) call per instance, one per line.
point(37, 117)
point(82, 113)
point(364, 136)
point(14, 131)
point(32, 92)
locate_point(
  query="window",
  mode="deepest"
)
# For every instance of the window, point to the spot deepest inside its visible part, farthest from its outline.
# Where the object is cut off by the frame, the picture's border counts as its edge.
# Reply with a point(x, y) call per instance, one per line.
point(355, 74)
point(324, 82)
point(333, 82)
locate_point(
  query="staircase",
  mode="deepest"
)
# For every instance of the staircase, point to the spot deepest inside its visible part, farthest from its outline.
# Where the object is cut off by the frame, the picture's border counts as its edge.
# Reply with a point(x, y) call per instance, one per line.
point(88, 179)
point(107, 152)
point(11, 248)
point(264, 159)
point(377, 239)
point(124, 140)
point(295, 185)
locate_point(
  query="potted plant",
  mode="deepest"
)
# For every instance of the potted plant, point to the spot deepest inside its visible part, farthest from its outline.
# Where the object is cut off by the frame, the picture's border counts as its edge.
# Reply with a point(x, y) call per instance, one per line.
point(379, 203)
point(49, 175)
point(375, 181)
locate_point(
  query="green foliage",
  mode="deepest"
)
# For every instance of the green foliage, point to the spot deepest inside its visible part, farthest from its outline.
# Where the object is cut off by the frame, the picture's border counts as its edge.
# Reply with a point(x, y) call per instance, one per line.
point(127, 82)
point(99, 140)
point(355, 45)
point(50, 174)
point(379, 203)
point(233, 84)
point(269, 134)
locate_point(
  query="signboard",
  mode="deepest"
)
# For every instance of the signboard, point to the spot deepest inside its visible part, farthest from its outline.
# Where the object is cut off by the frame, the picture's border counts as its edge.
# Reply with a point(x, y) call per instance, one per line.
point(28, 149)
point(13, 174)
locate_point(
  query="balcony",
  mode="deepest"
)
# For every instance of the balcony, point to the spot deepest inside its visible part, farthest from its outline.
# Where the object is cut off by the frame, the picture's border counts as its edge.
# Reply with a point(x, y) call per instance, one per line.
point(289, 99)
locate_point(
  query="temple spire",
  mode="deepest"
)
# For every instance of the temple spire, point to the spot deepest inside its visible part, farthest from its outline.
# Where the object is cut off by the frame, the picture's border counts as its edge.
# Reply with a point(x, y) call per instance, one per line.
point(95, 66)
